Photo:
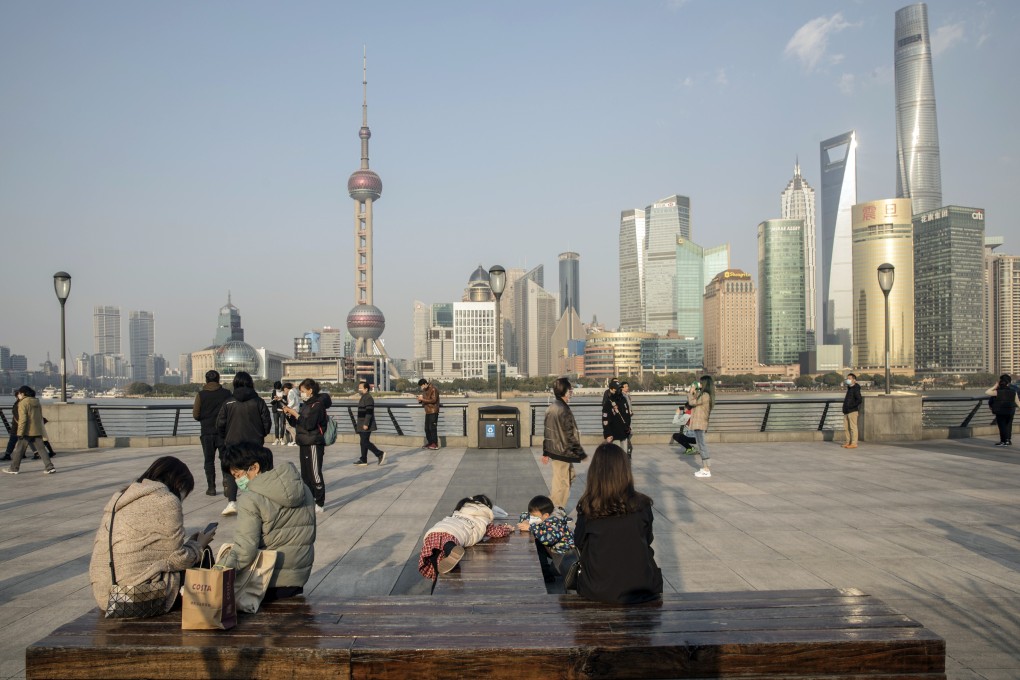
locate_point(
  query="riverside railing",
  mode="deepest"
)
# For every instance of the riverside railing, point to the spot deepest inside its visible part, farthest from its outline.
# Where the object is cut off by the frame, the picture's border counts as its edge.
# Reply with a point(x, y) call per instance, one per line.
point(653, 416)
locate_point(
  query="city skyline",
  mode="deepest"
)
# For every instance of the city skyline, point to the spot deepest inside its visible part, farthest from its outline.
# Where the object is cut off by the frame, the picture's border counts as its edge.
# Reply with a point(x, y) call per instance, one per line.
point(122, 151)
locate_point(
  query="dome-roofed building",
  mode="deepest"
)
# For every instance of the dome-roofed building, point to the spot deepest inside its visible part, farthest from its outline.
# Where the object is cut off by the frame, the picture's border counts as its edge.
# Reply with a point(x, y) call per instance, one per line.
point(234, 356)
point(478, 286)
point(366, 322)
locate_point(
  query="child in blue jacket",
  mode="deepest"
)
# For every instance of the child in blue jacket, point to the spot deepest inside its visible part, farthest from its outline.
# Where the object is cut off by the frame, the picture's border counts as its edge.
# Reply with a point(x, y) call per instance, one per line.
point(552, 534)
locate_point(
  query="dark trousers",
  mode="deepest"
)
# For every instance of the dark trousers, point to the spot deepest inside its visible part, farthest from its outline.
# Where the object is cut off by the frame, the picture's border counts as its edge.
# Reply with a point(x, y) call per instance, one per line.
point(279, 424)
point(432, 428)
point(1005, 423)
point(367, 445)
point(311, 470)
point(683, 440)
point(11, 443)
point(210, 444)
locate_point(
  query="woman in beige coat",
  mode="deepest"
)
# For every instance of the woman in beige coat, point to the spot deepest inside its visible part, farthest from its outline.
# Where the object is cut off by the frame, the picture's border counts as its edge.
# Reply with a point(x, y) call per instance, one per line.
point(701, 399)
point(148, 533)
point(30, 431)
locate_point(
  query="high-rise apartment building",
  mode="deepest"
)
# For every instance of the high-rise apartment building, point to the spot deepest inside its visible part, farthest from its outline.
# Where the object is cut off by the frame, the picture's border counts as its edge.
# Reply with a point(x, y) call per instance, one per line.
point(570, 282)
point(781, 306)
point(106, 330)
point(632, 270)
point(949, 291)
point(839, 195)
point(474, 337)
point(990, 336)
point(5, 358)
point(142, 338)
point(184, 368)
point(798, 203)
point(731, 324)
point(883, 232)
point(1006, 321)
point(534, 322)
point(228, 325)
point(695, 269)
point(918, 169)
point(665, 220)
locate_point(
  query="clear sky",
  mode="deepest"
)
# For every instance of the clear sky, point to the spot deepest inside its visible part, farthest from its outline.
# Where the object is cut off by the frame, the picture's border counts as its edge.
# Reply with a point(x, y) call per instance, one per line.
point(164, 153)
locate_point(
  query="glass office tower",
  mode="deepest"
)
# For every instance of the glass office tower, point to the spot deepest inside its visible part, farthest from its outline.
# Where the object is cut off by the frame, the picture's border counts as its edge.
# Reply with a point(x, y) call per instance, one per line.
point(798, 203)
point(570, 282)
point(632, 270)
point(918, 170)
point(665, 221)
point(781, 291)
point(839, 194)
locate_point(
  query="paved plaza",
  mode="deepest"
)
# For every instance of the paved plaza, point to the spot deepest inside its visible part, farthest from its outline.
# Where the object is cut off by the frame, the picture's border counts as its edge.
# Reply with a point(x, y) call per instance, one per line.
point(932, 528)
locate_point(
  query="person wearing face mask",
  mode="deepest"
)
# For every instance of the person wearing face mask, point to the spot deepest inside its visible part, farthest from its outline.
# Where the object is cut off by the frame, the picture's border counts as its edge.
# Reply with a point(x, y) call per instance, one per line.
point(275, 512)
point(852, 401)
point(309, 424)
point(243, 419)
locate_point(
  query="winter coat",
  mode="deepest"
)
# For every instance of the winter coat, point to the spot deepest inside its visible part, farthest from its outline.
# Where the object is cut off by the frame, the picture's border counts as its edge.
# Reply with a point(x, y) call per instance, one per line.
point(561, 439)
point(467, 525)
point(277, 512)
point(311, 420)
point(1004, 400)
point(30, 418)
point(430, 398)
point(148, 542)
point(701, 407)
point(366, 413)
point(244, 418)
point(617, 560)
point(852, 399)
point(208, 403)
point(615, 416)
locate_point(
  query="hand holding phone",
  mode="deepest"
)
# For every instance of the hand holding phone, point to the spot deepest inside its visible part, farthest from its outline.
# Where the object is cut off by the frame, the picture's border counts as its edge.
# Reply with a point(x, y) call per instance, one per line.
point(210, 528)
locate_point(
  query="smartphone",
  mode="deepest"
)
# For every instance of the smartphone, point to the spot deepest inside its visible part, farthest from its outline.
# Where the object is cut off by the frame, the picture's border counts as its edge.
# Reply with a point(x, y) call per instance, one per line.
point(211, 527)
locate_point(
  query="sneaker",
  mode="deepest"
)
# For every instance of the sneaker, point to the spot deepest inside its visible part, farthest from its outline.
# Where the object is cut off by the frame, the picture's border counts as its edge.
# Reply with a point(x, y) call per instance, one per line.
point(292, 444)
point(6, 457)
point(447, 563)
point(432, 447)
point(35, 456)
point(231, 509)
point(382, 458)
point(850, 446)
point(359, 463)
point(1001, 444)
point(702, 473)
point(318, 509)
point(50, 471)
point(10, 471)
point(689, 451)
point(211, 491)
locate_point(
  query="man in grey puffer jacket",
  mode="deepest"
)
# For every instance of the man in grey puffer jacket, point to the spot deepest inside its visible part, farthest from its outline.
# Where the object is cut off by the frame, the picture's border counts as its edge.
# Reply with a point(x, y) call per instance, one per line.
point(277, 501)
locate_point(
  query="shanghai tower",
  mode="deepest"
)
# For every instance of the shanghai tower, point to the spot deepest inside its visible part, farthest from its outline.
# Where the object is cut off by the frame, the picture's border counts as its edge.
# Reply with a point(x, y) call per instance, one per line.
point(918, 170)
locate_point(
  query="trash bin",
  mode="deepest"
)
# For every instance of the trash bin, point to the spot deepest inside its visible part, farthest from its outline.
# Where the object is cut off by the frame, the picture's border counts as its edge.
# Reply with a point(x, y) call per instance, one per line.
point(499, 427)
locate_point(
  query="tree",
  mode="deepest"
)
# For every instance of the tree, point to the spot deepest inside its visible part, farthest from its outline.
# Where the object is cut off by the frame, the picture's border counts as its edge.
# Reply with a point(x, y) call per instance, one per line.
point(138, 389)
point(804, 382)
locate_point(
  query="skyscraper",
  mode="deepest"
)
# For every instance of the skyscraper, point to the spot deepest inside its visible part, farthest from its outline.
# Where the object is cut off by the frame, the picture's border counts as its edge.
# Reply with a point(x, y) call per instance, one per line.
point(365, 321)
point(731, 324)
point(106, 330)
point(228, 327)
point(798, 203)
point(632, 270)
point(883, 232)
point(420, 314)
point(665, 220)
point(990, 334)
point(781, 291)
point(839, 194)
point(918, 170)
point(570, 282)
point(949, 290)
point(141, 336)
point(695, 269)
point(534, 323)
point(1006, 303)
point(474, 337)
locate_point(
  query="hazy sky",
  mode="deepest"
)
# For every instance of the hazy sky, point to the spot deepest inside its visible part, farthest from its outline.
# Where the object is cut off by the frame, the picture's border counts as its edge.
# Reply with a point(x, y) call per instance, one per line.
point(165, 153)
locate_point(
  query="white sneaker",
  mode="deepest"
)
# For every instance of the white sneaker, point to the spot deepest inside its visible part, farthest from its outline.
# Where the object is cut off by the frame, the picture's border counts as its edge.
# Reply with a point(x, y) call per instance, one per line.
point(292, 444)
point(702, 473)
point(277, 442)
point(318, 509)
point(231, 509)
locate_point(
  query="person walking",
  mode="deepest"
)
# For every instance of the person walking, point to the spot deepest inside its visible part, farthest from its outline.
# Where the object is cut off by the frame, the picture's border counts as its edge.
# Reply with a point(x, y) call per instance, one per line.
point(1004, 403)
point(615, 414)
point(208, 402)
point(243, 419)
point(429, 399)
point(12, 440)
point(701, 399)
point(852, 401)
point(277, 402)
point(30, 430)
point(310, 423)
point(625, 391)
point(561, 443)
point(366, 425)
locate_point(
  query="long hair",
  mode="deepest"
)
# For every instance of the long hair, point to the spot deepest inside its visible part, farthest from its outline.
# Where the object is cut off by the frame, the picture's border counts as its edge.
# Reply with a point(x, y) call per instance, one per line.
point(172, 472)
point(708, 387)
point(609, 489)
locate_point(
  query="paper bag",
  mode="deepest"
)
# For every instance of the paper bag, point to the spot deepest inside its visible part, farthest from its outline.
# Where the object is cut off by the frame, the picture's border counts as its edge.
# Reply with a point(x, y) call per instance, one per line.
point(251, 584)
point(208, 600)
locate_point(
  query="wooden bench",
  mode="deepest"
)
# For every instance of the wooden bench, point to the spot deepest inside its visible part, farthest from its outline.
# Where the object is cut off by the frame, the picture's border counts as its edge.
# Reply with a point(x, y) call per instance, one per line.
point(492, 618)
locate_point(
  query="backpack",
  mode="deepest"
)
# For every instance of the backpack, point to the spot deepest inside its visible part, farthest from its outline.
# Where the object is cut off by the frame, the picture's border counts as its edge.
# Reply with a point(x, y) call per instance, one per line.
point(329, 432)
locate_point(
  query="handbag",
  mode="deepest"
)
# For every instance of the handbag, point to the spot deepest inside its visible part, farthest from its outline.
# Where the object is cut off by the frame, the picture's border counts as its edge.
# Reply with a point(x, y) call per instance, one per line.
point(133, 602)
point(207, 601)
point(573, 572)
point(250, 585)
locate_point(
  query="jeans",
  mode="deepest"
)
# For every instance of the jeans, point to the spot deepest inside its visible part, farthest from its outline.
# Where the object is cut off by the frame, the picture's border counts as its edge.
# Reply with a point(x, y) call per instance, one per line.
point(432, 428)
point(279, 424)
point(367, 445)
point(311, 470)
point(699, 437)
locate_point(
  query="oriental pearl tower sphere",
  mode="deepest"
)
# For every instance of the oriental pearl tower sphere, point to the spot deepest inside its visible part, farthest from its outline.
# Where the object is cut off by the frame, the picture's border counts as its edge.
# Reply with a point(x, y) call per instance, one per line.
point(365, 322)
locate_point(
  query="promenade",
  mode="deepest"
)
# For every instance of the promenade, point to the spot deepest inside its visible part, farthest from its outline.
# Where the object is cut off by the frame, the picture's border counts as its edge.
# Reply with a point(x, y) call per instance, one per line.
point(932, 528)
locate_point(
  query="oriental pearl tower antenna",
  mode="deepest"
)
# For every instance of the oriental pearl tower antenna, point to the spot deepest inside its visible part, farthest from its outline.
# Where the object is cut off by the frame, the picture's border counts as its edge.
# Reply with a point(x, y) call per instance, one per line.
point(365, 322)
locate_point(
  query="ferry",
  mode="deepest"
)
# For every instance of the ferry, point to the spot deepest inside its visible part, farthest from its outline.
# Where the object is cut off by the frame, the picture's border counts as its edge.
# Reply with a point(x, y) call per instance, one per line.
point(50, 392)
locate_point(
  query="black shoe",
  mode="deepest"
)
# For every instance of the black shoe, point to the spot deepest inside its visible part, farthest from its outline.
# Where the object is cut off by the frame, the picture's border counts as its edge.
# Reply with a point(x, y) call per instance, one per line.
point(36, 456)
point(382, 458)
point(359, 463)
point(6, 457)
point(211, 491)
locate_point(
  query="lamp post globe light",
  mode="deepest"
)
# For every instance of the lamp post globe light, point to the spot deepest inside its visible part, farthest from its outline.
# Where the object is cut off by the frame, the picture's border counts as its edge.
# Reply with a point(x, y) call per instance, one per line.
point(497, 282)
point(886, 276)
point(62, 287)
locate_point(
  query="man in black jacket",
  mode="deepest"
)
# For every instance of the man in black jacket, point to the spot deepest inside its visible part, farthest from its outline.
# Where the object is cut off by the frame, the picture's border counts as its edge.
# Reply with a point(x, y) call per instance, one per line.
point(852, 401)
point(207, 406)
point(561, 443)
point(244, 419)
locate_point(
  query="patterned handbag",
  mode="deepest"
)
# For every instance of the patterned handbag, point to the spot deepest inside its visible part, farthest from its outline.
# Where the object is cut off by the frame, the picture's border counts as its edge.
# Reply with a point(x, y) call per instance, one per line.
point(132, 602)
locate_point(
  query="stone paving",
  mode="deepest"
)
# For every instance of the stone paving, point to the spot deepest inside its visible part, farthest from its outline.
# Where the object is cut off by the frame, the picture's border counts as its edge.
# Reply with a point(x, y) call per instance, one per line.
point(932, 528)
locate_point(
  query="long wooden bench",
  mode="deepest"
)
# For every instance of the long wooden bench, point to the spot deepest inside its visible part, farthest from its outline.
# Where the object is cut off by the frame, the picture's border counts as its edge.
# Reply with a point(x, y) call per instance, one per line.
point(492, 618)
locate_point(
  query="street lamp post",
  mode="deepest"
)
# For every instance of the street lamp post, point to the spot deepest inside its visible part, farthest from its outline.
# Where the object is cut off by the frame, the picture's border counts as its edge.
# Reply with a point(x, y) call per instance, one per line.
point(497, 282)
point(886, 276)
point(62, 286)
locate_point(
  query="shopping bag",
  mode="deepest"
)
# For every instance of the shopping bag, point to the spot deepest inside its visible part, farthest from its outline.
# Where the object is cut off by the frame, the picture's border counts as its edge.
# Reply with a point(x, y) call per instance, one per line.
point(208, 599)
point(251, 584)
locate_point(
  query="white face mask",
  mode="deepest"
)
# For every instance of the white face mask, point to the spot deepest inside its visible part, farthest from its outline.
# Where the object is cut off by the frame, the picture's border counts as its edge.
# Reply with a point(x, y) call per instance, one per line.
point(305, 396)
point(848, 382)
point(533, 519)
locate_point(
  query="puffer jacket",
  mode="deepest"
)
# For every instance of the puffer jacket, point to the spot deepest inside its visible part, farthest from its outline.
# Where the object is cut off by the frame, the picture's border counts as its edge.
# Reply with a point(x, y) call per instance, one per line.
point(30, 419)
point(148, 541)
point(561, 439)
point(277, 512)
point(701, 405)
point(311, 421)
point(244, 418)
point(467, 525)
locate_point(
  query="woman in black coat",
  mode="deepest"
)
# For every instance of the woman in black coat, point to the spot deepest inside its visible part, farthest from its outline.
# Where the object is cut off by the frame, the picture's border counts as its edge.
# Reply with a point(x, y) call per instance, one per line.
point(615, 414)
point(614, 534)
point(309, 424)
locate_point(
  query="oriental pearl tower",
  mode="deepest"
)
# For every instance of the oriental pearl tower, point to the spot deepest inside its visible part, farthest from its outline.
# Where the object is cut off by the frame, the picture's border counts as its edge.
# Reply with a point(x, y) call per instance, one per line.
point(365, 322)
